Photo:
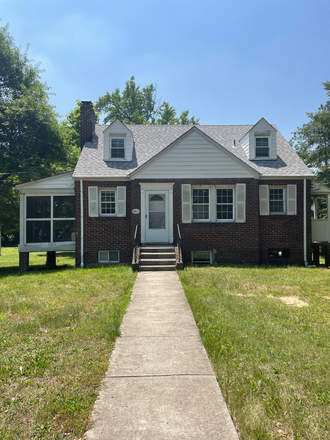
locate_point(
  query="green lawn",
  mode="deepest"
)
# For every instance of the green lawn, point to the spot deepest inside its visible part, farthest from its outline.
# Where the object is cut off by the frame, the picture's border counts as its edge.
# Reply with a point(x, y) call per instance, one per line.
point(272, 359)
point(57, 329)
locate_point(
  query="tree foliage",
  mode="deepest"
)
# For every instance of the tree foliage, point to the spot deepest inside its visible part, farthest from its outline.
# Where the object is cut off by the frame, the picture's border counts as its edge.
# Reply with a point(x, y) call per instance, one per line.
point(139, 106)
point(31, 141)
point(312, 140)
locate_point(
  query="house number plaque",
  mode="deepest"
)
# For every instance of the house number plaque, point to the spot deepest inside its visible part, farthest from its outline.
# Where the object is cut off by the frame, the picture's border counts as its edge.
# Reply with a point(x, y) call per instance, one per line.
point(135, 211)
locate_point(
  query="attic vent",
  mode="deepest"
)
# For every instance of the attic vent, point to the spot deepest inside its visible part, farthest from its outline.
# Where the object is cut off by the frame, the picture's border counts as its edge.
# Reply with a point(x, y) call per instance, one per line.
point(264, 133)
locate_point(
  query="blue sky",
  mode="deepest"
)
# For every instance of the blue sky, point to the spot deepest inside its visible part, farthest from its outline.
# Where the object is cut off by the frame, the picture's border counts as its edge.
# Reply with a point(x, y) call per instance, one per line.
point(227, 62)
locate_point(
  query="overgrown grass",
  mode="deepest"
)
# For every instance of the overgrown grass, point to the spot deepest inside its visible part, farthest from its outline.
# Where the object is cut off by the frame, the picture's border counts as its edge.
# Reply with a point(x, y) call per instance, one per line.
point(57, 328)
point(271, 359)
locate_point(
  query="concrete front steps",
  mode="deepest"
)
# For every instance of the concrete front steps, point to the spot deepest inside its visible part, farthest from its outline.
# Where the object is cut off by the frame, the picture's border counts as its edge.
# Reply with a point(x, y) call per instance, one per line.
point(157, 257)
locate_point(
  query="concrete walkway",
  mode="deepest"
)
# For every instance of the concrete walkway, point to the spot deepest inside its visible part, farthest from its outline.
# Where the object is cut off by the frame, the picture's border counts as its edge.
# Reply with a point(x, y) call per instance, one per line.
point(160, 384)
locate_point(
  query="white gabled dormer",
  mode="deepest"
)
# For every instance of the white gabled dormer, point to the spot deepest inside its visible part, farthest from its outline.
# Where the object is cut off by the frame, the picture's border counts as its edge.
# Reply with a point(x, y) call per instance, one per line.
point(117, 142)
point(260, 142)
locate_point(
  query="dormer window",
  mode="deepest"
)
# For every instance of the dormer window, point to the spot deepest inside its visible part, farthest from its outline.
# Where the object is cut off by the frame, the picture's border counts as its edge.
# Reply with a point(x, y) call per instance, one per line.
point(118, 143)
point(117, 147)
point(262, 147)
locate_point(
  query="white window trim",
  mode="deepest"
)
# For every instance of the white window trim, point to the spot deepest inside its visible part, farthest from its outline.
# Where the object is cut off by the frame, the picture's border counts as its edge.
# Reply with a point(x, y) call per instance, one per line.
point(202, 220)
point(284, 199)
point(255, 147)
point(100, 203)
point(108, 261)
point(213, 204)
point(117, 159)
point(231, 220)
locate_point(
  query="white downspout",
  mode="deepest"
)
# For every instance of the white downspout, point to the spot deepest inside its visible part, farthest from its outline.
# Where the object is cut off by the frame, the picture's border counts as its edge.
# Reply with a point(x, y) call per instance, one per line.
point(81, 225)
point(305, 224)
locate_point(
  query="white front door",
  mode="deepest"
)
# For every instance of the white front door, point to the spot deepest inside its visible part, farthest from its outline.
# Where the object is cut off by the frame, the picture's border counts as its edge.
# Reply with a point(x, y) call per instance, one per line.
point(157, 219)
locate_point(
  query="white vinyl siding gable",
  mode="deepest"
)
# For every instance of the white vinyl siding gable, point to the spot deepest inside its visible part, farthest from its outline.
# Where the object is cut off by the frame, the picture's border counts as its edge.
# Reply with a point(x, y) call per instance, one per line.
point(61, 184)
point(195, 156)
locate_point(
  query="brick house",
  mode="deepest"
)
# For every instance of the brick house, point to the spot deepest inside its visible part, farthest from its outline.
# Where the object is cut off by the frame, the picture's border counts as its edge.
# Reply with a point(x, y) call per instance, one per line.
point(225, 193)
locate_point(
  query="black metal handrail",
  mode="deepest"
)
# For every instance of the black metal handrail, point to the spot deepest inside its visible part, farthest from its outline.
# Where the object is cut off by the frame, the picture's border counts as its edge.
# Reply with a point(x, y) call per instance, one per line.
point(136, 247)
point(178, 242)
point(136, 237)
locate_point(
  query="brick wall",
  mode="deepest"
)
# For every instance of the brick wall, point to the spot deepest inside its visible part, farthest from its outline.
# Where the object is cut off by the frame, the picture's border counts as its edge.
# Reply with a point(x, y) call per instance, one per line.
point(103, 233)
point(247, 242)
point(286, 231)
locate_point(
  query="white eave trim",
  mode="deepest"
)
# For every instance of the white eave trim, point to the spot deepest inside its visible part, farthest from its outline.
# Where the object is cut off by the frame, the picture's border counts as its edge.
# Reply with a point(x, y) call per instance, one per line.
point(107, 179)
point(282, 177)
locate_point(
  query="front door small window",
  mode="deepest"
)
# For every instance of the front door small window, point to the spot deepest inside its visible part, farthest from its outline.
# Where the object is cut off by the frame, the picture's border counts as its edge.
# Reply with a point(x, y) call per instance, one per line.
point(157, 211)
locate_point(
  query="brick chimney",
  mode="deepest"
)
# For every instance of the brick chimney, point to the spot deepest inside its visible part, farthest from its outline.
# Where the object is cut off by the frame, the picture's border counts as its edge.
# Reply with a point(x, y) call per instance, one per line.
point(87, 122)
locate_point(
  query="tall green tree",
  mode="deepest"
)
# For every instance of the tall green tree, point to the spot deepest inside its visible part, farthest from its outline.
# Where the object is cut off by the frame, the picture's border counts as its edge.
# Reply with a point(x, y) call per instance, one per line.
point(312, 140)
point(136, 105)
point(31, 141)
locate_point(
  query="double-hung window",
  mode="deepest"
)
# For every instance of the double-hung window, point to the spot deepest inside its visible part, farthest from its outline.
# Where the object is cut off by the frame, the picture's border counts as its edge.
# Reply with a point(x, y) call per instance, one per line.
point(107, 202)
point(277, 201)
point(214, 203)
point(225, 203)
point(201, 204)
point(262, 147)
point(117, 148)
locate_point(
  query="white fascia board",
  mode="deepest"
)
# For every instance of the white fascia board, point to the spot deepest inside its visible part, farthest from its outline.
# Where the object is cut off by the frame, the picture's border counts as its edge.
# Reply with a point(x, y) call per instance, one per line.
point(171, 146)
point(103, 179)
point(282, 177)
point(47, 191)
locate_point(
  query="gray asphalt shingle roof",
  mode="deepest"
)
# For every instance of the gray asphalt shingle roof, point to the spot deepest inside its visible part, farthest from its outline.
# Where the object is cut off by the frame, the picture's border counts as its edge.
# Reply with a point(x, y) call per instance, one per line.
point(151, 139)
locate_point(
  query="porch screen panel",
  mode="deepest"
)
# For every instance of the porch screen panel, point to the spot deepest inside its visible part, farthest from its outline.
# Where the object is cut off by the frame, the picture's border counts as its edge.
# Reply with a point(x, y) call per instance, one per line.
point(63, 230)
point(38, 207)
point(38, 231)
point(63, 206)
